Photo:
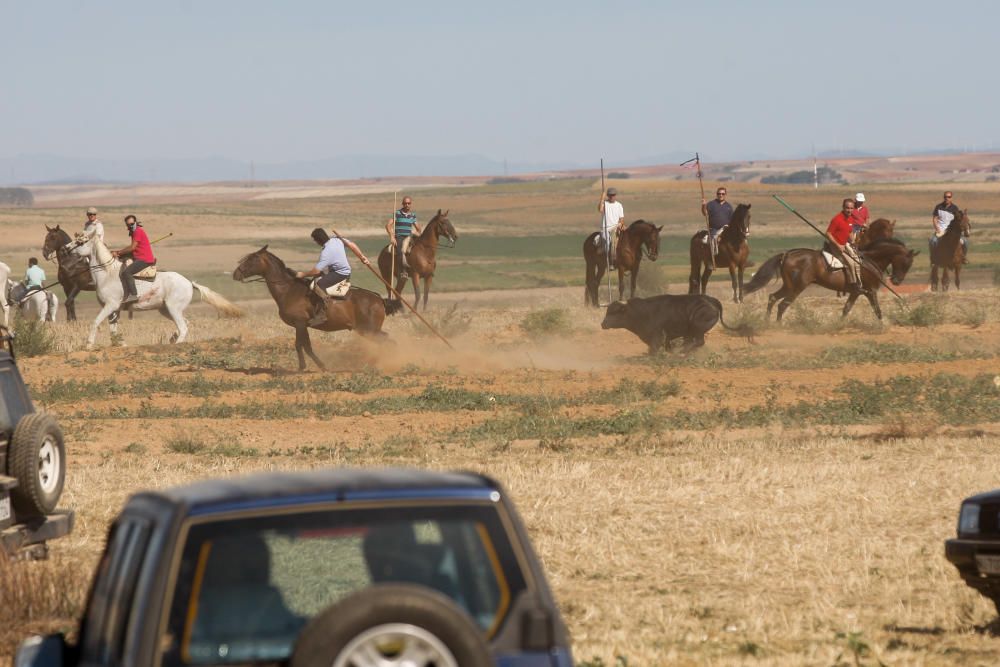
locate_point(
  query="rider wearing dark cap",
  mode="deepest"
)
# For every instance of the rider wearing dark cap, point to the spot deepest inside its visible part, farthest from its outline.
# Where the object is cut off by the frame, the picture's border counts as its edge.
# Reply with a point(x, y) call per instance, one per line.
point(141, 251)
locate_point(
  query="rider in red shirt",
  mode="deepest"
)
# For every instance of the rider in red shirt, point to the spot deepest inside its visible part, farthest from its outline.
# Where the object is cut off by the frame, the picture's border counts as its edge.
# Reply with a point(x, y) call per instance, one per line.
point(838, 234)
point(142, 256)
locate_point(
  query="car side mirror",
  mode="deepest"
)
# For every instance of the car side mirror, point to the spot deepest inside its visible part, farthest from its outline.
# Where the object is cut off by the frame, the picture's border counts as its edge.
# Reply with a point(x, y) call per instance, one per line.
point(39, 651)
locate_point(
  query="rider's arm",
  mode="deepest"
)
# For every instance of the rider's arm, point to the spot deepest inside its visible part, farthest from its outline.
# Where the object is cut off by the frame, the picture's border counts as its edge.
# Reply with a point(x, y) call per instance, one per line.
point(353, 246)
point(129, 249)
point(416, 229)
point(390, 229)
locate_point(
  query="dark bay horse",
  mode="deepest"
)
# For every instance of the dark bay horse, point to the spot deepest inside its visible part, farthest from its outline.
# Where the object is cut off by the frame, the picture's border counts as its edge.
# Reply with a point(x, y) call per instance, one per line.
point(802, 267)
point(636, 238)
point(733, 253)
point(947, 252)
point(422, 257)
point(74, 272)
point(362, 311)
point(878, 229)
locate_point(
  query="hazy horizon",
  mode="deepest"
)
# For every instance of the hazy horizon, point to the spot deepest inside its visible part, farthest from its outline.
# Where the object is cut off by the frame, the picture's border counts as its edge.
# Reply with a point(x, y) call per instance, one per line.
point(552, 84)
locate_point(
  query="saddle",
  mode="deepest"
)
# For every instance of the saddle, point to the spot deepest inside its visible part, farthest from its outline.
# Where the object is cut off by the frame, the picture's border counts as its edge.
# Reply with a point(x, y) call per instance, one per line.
point(149, 273)
point(832, 261)
point(338, 291)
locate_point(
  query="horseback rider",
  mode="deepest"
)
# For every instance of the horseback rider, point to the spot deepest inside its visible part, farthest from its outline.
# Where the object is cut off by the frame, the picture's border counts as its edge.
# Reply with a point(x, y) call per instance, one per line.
point(838, 235)
point(859, 220)
point(401, 230)
point(93, 227)
point(332, 267)
point(612, 222)
point(941, 217)
point(141, 252)
point(719, 213)
point(34, 277)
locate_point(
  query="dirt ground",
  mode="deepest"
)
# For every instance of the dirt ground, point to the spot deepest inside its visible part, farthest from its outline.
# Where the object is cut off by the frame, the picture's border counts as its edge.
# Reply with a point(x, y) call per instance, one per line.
point(689, 510)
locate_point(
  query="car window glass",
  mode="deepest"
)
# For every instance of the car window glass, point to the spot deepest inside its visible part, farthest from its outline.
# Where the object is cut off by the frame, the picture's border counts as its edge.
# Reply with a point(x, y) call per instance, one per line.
point(247, 588)
point(114, 587)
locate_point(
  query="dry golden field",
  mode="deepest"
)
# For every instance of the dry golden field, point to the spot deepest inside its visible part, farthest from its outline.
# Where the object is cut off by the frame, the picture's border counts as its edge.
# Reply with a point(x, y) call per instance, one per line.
point(782, 502)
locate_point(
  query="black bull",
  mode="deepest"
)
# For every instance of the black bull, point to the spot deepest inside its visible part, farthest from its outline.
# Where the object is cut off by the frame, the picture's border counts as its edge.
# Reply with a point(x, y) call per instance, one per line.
point(660, 319)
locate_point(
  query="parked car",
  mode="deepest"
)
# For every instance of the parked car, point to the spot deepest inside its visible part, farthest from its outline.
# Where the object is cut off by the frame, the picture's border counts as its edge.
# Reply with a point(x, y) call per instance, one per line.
point(330, 567)
point(976, 550)
point(32, 466)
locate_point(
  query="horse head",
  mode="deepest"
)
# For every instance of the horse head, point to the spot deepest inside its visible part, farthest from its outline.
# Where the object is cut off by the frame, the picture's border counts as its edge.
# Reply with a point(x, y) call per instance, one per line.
point(741, 219)
point(255, 264)
point(55, 238)
point(649, 237)
point(900, 257)
point(443, 227)
point(964, 223)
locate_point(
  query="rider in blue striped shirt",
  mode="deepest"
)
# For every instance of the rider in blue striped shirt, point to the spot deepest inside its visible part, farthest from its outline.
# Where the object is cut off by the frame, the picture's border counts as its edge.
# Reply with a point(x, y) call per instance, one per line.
point(401, 230)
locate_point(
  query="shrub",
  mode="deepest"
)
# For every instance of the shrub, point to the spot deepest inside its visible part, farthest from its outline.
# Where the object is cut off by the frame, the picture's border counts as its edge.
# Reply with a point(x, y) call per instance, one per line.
point(33, 338)
point(185, 443)
point(927, 313)
point(546, 322)
point(450, 322)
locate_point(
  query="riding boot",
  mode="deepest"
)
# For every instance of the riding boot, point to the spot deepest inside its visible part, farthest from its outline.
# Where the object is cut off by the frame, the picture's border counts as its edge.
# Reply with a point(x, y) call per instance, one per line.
point(319, 316)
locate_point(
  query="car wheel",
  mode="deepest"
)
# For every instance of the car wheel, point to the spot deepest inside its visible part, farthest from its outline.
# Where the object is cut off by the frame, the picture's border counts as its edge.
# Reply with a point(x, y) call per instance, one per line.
point(38, 462)
point(392, 624)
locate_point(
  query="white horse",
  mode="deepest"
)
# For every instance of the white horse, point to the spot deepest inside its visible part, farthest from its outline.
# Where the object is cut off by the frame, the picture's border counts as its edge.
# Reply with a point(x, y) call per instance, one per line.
point(170, 292)
point(37, 305)
point(5, 281)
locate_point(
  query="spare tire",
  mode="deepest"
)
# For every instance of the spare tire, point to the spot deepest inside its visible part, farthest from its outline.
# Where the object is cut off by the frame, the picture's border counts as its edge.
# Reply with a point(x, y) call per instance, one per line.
point(37, 460)
point(395, 624)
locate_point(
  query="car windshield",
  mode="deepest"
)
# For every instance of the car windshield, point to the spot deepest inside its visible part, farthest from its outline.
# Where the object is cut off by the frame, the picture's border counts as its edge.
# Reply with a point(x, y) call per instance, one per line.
point(246, 587)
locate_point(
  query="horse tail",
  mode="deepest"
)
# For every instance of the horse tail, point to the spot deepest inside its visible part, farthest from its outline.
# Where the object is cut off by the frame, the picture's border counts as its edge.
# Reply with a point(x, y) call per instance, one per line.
point(765, 274)
point(217, 301)
point(744, 330)
point(392, 306)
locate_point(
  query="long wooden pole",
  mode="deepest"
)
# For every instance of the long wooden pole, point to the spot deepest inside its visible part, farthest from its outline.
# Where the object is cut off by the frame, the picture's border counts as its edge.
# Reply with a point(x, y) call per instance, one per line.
point(607, 255)
point(392, 250)
point(398, 295)
point(708, 226)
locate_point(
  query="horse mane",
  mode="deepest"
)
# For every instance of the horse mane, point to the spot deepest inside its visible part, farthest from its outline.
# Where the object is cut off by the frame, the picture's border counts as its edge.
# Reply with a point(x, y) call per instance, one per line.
point(741, 210)
point(640, 222)
point(880, 242)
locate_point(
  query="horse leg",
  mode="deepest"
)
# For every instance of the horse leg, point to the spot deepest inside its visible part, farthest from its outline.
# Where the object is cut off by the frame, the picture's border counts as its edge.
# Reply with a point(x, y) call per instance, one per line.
point(945, 279)
point(416, 291)
point(958, 270)
point(303, 344)
point(736, 287)
point(787, 301)
point(850, 303)
point(105, 314)
point(739, 284)
point(177, 315)
point(621, 283)
point(872, 296)
point(427, 289)
point(934, 277)
point(635, 278)
point(694, 283)
point(597, 283)
point(71, 293)
point(705, 275)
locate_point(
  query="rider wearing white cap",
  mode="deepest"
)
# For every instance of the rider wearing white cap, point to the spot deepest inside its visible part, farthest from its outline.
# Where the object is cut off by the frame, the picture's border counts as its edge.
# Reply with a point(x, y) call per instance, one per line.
point(93, 226)
point(859, 219)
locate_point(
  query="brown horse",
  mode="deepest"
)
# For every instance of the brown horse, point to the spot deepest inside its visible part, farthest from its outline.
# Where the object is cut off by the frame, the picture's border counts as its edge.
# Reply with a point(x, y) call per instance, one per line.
point(74, 271)
point(878, 229)
point(421, 257)
point(802, 267)
point(636, 238)
point(733, 253)
point(362, 311)
point(947, 252)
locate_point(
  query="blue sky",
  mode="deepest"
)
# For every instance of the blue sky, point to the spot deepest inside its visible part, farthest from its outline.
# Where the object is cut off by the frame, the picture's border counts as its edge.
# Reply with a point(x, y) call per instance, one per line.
point(286, 81)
